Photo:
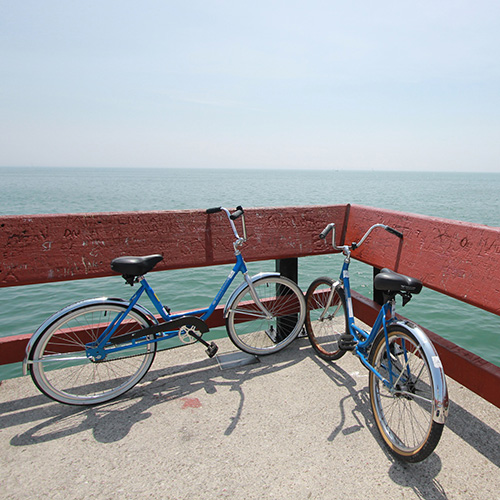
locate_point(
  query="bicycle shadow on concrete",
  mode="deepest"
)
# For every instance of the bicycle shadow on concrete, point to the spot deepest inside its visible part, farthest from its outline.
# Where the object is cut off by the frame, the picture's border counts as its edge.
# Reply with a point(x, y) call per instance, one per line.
point(355, 393)
point(420, 477)
point(111, 422)
point(399, 473)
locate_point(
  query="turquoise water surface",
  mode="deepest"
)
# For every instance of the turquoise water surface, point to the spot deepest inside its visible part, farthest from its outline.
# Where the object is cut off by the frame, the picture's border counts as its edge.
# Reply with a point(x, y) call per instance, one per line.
point(461, 196)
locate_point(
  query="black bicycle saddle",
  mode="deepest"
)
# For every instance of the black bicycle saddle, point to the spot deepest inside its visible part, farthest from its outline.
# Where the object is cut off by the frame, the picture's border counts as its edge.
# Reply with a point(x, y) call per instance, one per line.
point(390, 281)
point(135, 266)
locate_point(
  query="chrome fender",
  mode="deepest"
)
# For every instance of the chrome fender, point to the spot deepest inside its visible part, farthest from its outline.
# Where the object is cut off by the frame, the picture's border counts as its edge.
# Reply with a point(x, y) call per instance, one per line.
point(441, 401)
point(248, 280)
point(77, 305)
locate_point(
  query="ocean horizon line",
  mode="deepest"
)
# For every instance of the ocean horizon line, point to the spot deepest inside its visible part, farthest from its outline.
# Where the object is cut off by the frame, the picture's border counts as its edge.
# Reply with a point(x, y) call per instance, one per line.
point(249, 169)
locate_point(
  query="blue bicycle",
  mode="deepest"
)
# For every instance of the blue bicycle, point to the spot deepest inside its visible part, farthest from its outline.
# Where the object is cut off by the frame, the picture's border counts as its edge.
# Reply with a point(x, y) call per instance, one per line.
point(407, 384)
point(97, 349)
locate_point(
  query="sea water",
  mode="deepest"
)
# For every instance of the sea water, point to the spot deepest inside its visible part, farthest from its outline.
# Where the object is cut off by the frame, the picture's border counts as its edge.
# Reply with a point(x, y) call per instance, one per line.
point(471, 197)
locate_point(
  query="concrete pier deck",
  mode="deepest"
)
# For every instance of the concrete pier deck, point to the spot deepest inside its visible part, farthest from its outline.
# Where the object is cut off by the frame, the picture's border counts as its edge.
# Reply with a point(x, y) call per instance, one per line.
point(290, 426)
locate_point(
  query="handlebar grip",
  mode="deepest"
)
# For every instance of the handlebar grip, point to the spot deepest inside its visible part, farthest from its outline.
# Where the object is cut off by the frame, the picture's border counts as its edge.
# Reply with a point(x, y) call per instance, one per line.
point(394, 231)
point(239, 212)
point(213, 210)
point(326, 231)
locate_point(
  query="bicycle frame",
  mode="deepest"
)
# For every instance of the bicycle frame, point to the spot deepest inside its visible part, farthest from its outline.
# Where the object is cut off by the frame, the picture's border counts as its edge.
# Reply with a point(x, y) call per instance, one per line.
point(364, 338)
point(407, 384)
point(101, 347)
point(385, 318)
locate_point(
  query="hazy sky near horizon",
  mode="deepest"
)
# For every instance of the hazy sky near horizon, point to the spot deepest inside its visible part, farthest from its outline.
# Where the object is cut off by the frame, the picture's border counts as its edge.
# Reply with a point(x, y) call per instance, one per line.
point(389, 85)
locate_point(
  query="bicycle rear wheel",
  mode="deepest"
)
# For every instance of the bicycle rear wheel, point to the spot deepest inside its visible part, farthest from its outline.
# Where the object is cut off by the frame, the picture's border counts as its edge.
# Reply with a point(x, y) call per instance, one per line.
point(255, 333)
point(61, 369)
point(326, 318)
point(404, 411)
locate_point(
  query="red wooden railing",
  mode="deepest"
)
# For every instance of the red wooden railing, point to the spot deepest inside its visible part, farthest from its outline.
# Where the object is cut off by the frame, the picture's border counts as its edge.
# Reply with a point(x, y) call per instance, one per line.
point(459, 259)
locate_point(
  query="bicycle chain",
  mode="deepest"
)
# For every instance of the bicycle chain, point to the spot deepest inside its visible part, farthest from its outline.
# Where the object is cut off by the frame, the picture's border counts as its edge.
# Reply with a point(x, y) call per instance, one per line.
point(122, 357)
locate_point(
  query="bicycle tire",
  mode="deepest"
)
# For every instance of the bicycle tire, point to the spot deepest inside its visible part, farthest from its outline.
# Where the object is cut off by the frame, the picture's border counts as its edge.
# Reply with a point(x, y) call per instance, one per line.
point(404, 415)
point(248, 327)
point(61, 370)
point(324, 330)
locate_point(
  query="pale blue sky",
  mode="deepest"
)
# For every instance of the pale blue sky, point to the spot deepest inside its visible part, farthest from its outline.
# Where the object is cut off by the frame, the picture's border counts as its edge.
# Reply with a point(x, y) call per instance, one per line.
point(400, 85)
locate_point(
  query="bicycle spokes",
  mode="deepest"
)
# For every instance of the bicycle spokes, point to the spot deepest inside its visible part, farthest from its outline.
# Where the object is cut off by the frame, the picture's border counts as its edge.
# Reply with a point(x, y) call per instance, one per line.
point(402, 396)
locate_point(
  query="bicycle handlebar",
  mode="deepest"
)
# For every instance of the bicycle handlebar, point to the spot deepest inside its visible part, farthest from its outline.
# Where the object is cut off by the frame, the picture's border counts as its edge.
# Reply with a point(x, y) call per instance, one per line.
point(239, 211)
point(214, 210)
point(327, 230)
point(355, 245)
point(394, 231)
point(232, 217)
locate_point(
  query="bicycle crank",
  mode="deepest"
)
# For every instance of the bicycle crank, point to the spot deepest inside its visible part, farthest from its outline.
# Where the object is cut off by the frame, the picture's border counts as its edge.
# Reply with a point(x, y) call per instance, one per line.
point(191, 324)
point(190, 332)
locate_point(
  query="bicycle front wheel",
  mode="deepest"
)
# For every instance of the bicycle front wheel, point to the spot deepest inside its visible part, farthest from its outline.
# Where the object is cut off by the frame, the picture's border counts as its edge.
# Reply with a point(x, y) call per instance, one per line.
point(404, 408)
point(264, 332)
point(326, 318)
point(61, 369)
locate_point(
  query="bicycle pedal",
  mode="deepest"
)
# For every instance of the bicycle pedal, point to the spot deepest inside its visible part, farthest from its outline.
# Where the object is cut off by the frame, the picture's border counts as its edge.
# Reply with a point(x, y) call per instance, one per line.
point(212, 350)
point(347, 344)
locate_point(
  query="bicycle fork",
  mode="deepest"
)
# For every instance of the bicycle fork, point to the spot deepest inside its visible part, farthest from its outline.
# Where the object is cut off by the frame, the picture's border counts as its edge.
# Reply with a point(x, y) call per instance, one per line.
point(399, 382)
point(255, 297)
